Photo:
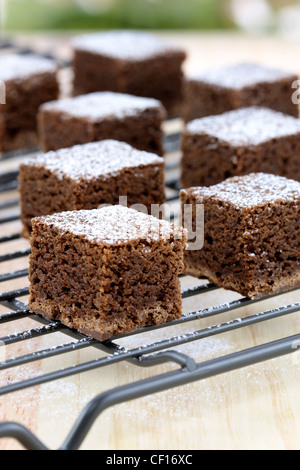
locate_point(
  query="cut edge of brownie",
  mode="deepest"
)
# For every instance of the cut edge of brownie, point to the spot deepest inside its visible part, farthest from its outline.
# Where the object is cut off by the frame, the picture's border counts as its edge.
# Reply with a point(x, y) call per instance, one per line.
point(247, 252)
point(87, 176)
point(285, 284)
point(141, 64)
point(100, 116)
point(130, 286)
point(245, 84)
point(239, 142)
point(33, 85)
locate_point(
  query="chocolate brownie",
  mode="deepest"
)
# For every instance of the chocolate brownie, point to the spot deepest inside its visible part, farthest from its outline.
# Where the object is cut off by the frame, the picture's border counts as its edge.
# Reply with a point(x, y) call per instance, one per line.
point(99, 116)
point(106, 271)
point(132, 62)
point(251, 232)
point(222, 89)
point(239, 142)
point(85, 176)
point(26, 82)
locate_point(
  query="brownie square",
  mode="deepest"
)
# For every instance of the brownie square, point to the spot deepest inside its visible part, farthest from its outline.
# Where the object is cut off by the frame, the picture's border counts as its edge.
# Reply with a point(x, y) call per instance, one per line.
point(240, 142)
point(103, 115)
point(132, 62)
point(106, 271)
point(29, 81)
point(86, 176)
point(251, 233)
point(229, 87)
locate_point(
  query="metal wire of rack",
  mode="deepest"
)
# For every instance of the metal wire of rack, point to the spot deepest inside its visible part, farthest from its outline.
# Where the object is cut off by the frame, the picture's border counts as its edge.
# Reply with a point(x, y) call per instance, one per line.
point(149, 355)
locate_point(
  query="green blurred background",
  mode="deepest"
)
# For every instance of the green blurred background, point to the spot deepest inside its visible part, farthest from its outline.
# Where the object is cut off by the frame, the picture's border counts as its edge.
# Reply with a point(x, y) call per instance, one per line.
point(103, 14)
point(251, 15)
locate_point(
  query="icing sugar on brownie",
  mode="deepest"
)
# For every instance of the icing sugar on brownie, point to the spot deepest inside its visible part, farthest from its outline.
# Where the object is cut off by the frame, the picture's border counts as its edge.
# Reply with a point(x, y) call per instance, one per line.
point(240, 75)
point(251, 241)
point(16, 66)
point(113, 225)
point(94, 159)
point(99, 105)
point(246, 126)
point(128, 45)
point(252, 190)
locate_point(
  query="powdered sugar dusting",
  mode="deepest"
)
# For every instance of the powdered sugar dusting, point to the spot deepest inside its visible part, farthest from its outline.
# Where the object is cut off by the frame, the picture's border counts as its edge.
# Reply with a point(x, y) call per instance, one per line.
point(16, 66)
point(95, 159)
point(114, 225)
point(241, 75)
point(126, 45)
point(252, 190)
point(99, 105)
point(246, 126)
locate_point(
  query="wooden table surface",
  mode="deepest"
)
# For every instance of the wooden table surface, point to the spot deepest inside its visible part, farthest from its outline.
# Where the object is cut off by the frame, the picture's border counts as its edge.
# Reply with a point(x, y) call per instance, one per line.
point(256, 407)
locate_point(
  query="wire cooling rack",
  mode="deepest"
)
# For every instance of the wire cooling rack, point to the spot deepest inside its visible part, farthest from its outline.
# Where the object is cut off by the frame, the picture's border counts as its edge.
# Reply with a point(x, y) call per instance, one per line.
point(148, 355)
